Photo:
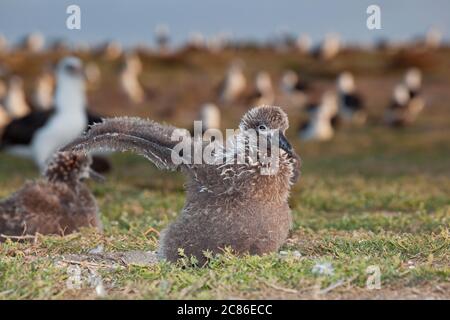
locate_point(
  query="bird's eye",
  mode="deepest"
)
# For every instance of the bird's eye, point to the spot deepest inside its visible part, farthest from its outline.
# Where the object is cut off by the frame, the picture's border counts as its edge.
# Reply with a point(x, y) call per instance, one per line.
point(262, 127)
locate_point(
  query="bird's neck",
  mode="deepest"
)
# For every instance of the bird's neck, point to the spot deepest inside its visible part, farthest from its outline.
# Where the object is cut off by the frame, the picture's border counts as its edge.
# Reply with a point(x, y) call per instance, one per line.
point(70, 95)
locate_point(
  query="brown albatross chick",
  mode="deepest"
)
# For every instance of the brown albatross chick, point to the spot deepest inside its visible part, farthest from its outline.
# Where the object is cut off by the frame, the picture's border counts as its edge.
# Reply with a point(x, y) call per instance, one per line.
point(58, 203)
point(227, 204)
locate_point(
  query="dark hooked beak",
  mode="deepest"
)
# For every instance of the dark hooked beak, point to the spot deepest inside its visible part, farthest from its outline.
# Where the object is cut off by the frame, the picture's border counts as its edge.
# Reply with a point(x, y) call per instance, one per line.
point(97, 177)
point(285, 145)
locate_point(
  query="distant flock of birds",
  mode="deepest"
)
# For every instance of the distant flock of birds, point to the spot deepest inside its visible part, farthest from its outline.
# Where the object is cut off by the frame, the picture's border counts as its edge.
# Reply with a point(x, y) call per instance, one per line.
point(327, 49)
point(345, 104)
point(38, 126)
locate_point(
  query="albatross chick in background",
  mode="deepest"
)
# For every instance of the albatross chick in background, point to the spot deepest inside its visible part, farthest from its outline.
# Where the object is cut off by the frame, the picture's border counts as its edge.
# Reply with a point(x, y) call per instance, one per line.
point(58, 203)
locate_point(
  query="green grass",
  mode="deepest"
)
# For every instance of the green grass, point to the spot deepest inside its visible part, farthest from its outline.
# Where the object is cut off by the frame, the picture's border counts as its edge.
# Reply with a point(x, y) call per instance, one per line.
point(372, 196)
point(346, 216)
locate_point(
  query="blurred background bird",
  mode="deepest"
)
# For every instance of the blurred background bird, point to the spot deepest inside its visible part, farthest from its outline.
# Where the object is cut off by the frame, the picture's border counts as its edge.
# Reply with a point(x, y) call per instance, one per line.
point(129, 78)
point(234, 84)
point(40, 133)
point(351, 107)
point(15, 101)
point(320, 126)
point(263, 93)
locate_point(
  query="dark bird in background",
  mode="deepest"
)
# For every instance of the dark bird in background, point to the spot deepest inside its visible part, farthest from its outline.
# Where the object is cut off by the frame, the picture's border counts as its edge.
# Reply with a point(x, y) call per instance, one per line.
point(351, 106)
point(403, 109)
point(58, 203)
point(242, 206)
point(407, 102)
point(413, 81)
point(294, 89)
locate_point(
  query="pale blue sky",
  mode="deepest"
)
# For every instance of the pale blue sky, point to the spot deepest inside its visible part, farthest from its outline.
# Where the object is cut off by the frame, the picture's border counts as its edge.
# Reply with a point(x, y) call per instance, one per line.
point(133, 21)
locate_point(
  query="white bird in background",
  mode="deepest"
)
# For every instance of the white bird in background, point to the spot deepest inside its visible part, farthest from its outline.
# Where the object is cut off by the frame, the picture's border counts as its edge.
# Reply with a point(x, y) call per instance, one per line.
point(196, 40)
point(351, 106)
point(112, 50)
point(396, 113)
point(433, 38)
point(234, 84)
point(43, 93)
point(413, 81)
point(264, 93)
point(218, 42)
point(303, 43)
point(320, 125)
point(40, 134)
point(34, 42)
point(407, 101)
point(404, 108)
point(129, 78)
point(330, 47)
point(93, 73)
point(15, 102)
point(210, 117)
point(294, 89)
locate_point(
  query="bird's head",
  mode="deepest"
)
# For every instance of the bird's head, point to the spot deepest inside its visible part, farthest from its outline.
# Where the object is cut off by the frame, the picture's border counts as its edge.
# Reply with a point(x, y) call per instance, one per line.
point(401, 94)
point(346, 82)
point(70, 67)
point(263, 82)
point(413, 79)
point(267, 120)
point(70, 167)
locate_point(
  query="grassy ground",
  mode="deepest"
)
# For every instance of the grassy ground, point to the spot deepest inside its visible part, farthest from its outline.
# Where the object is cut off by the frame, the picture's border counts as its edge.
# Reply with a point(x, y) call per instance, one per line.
point(371, 197)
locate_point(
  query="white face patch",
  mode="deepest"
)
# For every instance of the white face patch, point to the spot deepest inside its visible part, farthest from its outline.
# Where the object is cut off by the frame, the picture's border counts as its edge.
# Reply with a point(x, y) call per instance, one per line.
point(346, 82)
point(289, 80)
point(263, 82)
point(401, 95)
point(413, 79)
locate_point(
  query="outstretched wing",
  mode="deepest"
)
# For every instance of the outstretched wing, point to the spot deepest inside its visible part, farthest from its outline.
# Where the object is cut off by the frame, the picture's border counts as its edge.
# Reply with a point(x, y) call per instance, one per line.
point(150, 139)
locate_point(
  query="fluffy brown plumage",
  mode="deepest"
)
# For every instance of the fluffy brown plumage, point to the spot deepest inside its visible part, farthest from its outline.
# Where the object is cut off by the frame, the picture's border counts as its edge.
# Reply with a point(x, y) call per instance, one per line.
point(227, 204)
point(58, 203)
